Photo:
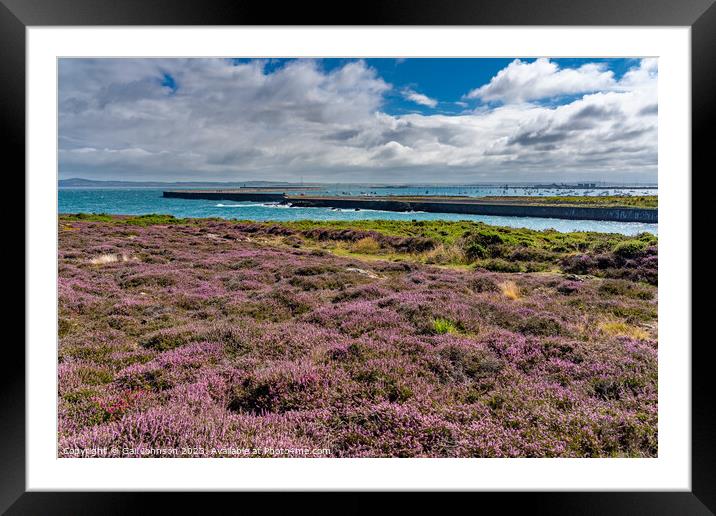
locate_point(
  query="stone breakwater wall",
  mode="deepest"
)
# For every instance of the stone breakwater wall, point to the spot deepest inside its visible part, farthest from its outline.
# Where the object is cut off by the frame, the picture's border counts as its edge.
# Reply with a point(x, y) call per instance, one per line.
point(475, 208)
point(218, 195)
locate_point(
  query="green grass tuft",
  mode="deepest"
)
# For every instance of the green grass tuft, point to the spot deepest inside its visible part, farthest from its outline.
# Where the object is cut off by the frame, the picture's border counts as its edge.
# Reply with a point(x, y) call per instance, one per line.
point(442, 326)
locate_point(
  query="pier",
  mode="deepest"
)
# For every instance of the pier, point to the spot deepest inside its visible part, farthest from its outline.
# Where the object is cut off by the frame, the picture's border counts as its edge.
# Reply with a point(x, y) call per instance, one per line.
point(432, 204)
point(241, 195)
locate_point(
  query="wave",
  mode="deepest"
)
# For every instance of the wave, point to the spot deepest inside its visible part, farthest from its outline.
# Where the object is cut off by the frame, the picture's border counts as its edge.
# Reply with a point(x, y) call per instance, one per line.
point(351, 210)
point(252, 205)
point(236, 205)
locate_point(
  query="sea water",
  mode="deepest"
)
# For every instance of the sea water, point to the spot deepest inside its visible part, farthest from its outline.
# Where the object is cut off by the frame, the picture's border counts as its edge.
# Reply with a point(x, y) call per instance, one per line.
point(141, 201)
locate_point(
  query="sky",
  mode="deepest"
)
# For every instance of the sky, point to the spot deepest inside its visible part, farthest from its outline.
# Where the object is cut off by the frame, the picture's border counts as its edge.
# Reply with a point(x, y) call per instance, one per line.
point(441, 120)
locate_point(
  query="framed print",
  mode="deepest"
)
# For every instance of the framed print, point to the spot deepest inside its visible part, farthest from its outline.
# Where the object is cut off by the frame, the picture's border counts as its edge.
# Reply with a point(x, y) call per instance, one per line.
point(420, 249)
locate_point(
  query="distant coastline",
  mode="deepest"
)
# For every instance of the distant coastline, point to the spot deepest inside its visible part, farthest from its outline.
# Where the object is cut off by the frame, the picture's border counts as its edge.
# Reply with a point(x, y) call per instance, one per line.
point(76, 182)
point(89, 183)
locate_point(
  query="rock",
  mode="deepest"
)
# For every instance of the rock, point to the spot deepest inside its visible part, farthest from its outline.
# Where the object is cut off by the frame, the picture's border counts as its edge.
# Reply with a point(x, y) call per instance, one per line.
point(364, 272)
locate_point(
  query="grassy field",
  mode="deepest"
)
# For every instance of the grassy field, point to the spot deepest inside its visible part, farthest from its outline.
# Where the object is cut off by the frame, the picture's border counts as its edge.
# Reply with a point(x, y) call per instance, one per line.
point(360, 339)
point(457, 244)
point(602, 201)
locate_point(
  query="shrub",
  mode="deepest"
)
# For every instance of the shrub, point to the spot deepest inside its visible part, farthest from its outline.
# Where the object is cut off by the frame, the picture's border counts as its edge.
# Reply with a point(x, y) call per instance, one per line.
point(314, 270)
point(277, 305)
point(474, 251)
point(166, 339)
point(366, 245)
point(568, 287)
point(334, 281)
point(625, 288)
point(482, 244)
point(487, 237)
point(561, 349)
point(578, 264)
point(545, 326)
point(409, 244)
point(614, 287)
point(92, 376)
point(604, 261)
point(530, 254)
point(293, 241)
point(630, 248)
point(149, 279)
point(616, 388)
point(377, 384)
point(64, 326)
point(483, 284)
point(500, 265)
point(445, 254)
point(648, 238)
point(368, 292)
point(460, 363)
point(255, 397)
point(154, 380)
point(276, 390)
point(606, 389)
point(244, 263)
point(536, 267)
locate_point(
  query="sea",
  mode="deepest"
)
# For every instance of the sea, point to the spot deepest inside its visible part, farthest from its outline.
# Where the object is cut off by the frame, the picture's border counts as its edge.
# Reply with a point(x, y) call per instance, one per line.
point(141, 201)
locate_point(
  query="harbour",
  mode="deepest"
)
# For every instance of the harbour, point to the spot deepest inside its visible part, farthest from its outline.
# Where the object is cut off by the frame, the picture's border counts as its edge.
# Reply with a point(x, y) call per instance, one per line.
point(506, 207)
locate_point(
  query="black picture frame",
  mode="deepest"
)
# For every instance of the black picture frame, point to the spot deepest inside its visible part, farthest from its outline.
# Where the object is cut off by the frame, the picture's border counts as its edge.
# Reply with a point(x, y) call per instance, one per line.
point(17, 15)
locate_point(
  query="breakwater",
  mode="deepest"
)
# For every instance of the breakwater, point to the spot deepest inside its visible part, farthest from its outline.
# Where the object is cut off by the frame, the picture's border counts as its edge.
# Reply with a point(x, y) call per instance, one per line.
point(228, 195)
point(430, 204)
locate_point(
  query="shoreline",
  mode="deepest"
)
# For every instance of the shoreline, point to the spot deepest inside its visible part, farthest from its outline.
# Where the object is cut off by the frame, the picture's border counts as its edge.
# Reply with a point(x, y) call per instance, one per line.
point(156, 217)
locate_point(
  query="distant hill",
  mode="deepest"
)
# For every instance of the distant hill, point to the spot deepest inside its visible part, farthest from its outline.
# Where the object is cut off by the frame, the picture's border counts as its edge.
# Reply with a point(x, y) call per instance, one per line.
point(77, 182)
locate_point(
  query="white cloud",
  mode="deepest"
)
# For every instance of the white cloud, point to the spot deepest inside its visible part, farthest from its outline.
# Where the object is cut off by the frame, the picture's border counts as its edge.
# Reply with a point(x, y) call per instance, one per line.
point(239, 122)
point(419, 98)
point(542, 78)
point(642, 76)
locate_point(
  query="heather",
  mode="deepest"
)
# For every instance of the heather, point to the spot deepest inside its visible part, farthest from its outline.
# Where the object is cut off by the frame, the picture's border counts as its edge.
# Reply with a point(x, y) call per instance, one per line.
point(462, 243)
point(370, 339)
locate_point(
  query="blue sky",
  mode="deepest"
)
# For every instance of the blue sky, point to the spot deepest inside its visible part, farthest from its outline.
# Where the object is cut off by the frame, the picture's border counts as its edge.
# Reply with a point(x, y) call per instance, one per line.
point(343, 120)
point(448, 79)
